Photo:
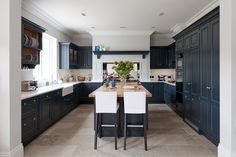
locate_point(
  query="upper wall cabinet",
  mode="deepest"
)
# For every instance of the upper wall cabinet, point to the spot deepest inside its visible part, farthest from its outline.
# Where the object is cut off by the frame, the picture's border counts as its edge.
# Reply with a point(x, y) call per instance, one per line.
point(85, 57)
point(75, 57)
point(31, 43)
point(162, 57)
point(68, 56)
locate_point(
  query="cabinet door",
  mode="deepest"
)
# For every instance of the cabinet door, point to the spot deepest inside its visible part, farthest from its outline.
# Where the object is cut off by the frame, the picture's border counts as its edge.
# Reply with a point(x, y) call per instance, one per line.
point(205, 64)
point(89, 57)
point(187, 106)
point(187, 42)
point(45, 117)
point(153, 58)
point(158, 92)
point(179, 44)
point(195, 87)
point(195, 39)
point(29, 126)
point(187, 72)
point(56, 105)
point(214, 82)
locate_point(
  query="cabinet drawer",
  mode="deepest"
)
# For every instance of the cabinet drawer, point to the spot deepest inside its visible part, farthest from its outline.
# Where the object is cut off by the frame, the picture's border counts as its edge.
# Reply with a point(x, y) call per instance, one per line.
point(30, 105)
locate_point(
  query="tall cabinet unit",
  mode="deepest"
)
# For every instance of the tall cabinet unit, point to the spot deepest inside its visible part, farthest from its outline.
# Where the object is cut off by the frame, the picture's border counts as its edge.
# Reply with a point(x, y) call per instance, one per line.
point(201, 74)
point(191, 77)
point(210, 79)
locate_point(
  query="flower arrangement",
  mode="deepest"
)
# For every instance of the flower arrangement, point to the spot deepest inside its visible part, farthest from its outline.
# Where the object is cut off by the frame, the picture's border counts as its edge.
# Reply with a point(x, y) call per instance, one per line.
point(123, 68)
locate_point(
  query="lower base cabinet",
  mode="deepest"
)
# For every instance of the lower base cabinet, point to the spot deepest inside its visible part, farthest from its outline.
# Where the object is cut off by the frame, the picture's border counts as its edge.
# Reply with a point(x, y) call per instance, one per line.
point(30, 119)
point(40, 112)
point(157, 90)
point(170, 95)
point(86, 89)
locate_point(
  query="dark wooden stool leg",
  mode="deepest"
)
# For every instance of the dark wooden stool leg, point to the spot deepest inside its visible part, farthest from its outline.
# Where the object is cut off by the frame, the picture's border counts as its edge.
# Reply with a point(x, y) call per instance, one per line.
point(96, 130)
point(115, 130)
point(125, 132)
point(145, 131)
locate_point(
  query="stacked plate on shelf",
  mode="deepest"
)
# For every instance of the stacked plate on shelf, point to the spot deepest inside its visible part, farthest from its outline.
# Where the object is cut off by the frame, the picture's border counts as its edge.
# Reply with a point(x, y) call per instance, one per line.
point(29, 41)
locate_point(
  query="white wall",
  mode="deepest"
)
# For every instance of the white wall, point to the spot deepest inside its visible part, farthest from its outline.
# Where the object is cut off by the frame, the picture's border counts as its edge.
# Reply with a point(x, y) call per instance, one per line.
point(122, 42)
point(227, 146)
point(10, 76)
point(82, 39)
point(161, 40)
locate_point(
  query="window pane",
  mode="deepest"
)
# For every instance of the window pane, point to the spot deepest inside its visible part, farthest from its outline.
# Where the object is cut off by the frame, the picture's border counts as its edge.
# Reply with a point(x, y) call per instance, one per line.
point(46, 70)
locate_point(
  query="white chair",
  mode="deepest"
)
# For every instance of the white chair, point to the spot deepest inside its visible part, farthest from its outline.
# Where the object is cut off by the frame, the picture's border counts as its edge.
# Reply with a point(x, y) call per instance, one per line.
point(135, 103)
point(106, 102)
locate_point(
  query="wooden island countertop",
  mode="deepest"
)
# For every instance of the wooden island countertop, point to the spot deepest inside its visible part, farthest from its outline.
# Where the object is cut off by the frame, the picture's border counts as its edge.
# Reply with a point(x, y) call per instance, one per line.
point(120, 90)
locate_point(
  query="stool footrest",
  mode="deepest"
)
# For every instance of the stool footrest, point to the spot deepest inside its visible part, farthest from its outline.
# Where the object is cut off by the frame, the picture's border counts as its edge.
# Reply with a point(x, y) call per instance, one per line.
point(135, 126)
point(107, 125)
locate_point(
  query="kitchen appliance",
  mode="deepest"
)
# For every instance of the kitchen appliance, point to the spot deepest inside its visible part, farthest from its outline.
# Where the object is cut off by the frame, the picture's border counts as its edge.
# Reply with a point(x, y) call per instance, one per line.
point(161, 77)
point(29, 85)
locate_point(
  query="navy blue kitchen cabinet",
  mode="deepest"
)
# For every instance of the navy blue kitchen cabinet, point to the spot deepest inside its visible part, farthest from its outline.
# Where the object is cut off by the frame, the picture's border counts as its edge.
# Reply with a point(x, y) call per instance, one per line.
point(210, 79)
point(162, 57)
point(86, 89)
point(68, 56)
point(170, 95)
point(85, 57)
point(172, 60)
point(199, 44)
point(40, 112)
point(30, 119)
point(76, 96)
point(157, 90)
point(191, 81)
point(44, 111)
point(56, 105)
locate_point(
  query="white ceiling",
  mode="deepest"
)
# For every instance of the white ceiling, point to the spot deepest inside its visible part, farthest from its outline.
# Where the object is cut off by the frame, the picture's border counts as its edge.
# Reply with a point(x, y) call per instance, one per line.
point(135, 15)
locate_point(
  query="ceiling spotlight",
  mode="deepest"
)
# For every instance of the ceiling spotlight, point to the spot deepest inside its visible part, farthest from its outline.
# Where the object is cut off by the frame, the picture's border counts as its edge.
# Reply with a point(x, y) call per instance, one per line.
point(123, 27)
point(161, 14)
point(93, 27)
point(83, 14)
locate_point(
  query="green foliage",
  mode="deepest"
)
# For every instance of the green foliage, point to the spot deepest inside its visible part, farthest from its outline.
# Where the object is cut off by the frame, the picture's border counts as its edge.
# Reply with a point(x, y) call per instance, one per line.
point(123, 68)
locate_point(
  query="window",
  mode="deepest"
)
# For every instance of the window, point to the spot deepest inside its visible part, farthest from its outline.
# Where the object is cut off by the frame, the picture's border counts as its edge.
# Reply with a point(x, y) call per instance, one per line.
point(47, 69)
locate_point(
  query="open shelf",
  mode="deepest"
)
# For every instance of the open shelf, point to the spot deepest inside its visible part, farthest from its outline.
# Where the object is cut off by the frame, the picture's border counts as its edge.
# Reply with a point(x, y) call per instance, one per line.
point(100, 53)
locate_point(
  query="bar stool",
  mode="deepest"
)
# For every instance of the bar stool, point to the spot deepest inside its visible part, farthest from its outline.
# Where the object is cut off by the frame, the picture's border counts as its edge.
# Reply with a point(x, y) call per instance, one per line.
point(135, 103)
point(106, 102)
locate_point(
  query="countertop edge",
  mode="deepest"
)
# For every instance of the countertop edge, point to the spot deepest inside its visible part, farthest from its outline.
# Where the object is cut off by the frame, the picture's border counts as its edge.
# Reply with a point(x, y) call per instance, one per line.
point(50, 88)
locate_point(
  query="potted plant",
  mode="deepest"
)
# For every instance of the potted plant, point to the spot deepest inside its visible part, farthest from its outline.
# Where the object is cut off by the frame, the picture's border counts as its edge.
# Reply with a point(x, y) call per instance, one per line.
point(123, 69)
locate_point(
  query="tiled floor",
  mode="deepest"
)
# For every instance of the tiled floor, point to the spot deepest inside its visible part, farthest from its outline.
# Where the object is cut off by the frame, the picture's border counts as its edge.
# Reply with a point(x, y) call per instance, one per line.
point(168, 136)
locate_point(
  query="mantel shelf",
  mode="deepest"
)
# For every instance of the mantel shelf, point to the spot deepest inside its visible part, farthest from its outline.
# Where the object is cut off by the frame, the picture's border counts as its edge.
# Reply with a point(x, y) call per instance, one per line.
point(100, 53)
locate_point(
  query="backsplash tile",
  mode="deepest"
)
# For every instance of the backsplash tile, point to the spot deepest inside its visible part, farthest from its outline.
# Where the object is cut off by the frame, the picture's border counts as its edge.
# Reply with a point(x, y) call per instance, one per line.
point(156, 72)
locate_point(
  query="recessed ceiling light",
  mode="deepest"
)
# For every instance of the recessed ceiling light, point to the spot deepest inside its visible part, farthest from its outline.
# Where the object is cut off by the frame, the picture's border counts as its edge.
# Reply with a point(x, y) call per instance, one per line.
point(153, 27)
point(161, 14)
point(93, 27)
point(123, 27)
point(83, 14)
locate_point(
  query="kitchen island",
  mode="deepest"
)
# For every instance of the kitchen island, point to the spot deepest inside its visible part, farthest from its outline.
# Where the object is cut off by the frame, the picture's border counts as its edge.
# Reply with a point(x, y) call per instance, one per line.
point(108, 119)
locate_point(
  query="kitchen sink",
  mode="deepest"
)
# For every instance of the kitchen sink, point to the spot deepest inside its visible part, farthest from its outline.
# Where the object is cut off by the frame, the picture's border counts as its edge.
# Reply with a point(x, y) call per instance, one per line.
point(67, 89)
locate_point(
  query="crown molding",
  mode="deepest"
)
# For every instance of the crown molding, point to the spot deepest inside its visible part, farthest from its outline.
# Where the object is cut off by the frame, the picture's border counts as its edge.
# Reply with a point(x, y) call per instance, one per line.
point(122, 32)
point(181, 26)
point(39, 13)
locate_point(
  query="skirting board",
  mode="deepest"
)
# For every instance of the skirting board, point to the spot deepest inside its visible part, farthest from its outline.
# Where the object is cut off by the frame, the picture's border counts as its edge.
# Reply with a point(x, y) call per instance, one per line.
point(18, 151)
point(222, 152)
